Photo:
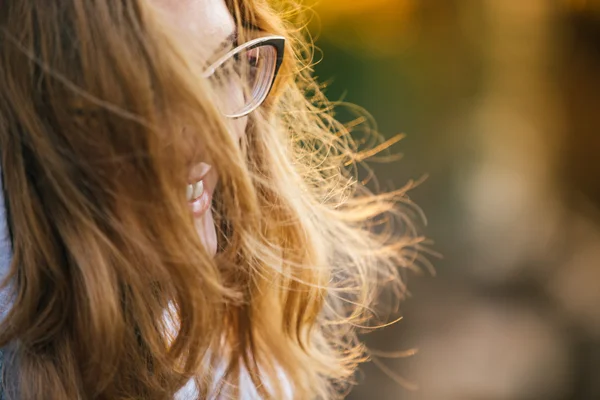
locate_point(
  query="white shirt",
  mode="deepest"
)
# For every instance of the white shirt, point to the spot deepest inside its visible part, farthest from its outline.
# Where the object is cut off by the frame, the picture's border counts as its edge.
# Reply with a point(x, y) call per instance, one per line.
point(5, 251)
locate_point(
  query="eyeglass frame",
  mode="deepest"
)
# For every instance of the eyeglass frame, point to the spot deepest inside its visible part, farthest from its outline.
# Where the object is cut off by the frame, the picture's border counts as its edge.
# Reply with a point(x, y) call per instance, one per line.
point(278, 42)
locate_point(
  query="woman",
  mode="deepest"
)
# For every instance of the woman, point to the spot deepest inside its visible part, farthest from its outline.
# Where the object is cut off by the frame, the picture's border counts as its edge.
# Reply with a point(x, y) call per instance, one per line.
point(172, 228)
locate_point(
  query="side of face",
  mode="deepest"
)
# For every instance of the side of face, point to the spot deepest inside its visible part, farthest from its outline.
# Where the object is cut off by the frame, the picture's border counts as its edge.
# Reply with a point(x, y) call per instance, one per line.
point(207, 26)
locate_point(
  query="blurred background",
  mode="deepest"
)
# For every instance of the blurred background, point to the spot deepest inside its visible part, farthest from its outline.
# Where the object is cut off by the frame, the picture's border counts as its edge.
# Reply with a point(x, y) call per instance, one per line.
point(500, 102)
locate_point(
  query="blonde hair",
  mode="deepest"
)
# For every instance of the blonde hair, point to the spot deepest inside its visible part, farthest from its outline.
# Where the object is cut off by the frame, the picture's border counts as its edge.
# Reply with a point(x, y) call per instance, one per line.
point(93, 98)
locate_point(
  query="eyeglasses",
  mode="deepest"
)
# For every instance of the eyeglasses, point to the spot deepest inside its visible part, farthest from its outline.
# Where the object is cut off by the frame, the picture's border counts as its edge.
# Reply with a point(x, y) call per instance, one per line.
point(245, 76)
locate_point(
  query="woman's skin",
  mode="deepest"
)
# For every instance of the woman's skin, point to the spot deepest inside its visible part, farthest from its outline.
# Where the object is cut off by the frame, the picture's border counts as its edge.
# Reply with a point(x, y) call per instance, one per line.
point(208, 22)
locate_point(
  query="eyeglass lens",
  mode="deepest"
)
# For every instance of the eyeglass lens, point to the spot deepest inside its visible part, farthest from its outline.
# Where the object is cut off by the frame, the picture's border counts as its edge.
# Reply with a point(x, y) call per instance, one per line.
point(245, 79)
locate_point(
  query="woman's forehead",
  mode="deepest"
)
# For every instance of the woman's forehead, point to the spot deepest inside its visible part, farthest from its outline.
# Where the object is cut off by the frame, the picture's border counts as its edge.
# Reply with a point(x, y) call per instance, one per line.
point(205, 22)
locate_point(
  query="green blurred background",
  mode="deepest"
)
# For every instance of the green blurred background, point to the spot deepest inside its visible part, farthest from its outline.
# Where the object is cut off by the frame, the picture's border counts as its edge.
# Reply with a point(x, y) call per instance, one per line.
point(499, 100)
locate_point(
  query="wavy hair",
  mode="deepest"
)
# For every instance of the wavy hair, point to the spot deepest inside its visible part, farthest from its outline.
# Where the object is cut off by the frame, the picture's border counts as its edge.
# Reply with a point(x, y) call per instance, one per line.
point(114, 296)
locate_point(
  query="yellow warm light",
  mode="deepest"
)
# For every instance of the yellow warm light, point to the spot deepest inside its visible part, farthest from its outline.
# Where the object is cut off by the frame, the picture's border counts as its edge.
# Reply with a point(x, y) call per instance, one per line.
point(337, 7)
point(378, 26)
